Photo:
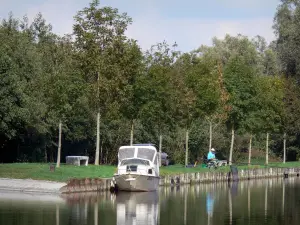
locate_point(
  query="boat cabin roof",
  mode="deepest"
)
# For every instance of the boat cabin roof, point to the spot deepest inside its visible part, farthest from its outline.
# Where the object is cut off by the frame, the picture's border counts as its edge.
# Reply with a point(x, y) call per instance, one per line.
point(147, 144)
point(137, 151)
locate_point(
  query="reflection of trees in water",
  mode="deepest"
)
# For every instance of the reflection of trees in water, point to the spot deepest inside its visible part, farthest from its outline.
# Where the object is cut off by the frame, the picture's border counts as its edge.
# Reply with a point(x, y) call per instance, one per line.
point(78, 213)
point(57, 214)
point(84, 207)
point(245, 202)
point(273, 201)
point(96, 221)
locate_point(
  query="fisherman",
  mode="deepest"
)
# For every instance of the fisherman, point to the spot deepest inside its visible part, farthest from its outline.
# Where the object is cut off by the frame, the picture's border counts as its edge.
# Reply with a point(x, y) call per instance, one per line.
point(211, 155)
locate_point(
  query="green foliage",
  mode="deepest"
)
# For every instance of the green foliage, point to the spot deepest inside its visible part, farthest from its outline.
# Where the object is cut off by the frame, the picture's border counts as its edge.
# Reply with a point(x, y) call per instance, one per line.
point(154, 91)
point(270, 103)
point(286, 26)
point(236, 82)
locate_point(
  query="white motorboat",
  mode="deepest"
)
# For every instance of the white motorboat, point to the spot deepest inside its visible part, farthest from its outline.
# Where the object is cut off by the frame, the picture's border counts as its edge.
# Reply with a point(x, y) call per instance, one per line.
point(138, 168)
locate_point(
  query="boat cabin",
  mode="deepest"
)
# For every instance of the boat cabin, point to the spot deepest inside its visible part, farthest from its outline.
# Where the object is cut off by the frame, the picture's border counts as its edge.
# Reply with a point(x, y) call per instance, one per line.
point(139, 158)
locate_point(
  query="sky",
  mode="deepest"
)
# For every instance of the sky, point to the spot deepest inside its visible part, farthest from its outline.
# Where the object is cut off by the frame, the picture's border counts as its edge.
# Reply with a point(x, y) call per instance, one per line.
point(189, 23)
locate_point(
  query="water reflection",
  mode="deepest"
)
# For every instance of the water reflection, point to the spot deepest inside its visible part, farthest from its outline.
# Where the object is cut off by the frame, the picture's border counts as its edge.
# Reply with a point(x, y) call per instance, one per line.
point(57, 214)
point(137, 208)
point(96, 221)
point(249, 202)
point(274, 201)
point(83, 208)
point(283, 197)
point(266, 201)
point(210, 205)
point(230, 206)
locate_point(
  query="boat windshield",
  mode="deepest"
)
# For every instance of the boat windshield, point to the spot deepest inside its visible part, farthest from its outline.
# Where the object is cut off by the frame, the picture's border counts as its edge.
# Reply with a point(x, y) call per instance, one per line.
point(145, 153)
point(135, 162)
point(126, 153)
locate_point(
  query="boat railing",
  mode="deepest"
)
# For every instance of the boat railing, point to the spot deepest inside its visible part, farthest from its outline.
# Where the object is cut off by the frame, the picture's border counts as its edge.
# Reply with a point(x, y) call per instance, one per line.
point(138, 158)
point(140, 171)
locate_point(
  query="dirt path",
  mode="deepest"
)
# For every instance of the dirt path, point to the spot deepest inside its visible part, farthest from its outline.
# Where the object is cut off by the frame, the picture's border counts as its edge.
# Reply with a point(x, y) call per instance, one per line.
point(28, 185)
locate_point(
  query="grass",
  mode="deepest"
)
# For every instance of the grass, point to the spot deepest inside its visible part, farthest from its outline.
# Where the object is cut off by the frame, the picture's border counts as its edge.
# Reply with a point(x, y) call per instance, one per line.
point(38, 171)
point(176, 169)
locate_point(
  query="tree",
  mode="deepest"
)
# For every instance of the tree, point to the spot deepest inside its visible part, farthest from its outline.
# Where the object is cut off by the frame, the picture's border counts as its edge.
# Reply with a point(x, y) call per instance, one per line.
point(239, 82)
point(99, 32)
point(198, 95)
point(287, 30)
point(290, 118)
point(270, 106)
point(267, 56)
point(217, 108)
point(239, 58)
point(21, 108)
point(132, 67)
point(154, 90)
point(184, 97)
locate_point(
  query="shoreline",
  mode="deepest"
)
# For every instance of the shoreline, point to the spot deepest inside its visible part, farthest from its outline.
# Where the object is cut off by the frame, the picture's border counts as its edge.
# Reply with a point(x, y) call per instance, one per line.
point(105, 184)
point(30, 186)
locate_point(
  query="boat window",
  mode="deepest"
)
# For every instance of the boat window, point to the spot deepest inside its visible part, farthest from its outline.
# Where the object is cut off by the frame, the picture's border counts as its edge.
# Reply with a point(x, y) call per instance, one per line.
point(145, 153)
point(135, 162)
point(126, 153)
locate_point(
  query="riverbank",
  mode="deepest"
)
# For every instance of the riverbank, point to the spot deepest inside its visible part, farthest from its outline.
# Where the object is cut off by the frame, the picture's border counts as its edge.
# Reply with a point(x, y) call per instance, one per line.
point(104, 184)
point(28, 185)
point(42, 171)
point(36, 171)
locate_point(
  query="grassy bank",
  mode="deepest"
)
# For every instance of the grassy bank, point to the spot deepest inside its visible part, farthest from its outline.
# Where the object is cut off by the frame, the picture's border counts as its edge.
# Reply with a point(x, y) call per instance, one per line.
point(176, 169)
point(42, 172)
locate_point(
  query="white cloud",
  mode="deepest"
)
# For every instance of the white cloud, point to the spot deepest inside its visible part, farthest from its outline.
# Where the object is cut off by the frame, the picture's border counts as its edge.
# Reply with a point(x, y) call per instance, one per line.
point(149, 25)
point(254, 4)
point(191, 33)
point(58, 13)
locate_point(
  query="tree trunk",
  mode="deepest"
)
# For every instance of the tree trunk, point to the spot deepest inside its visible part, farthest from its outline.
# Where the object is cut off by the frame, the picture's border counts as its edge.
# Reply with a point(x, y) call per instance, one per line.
point(18, 151)
point(59, 145)
point(231, 146)
point(210, 135)
point(267, 149)
point(160, 144)
point(98, 123)
point(250, 150)
point(131, 133)
point(98, 139)
point(51, 156)
point(45, 156)
point(186, 147)
point(101, 155)
point(106, 156)
point(284, 148)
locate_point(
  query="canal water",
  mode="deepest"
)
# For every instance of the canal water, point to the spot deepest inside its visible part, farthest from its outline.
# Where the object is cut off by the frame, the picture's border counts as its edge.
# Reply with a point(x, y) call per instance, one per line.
point(273, 201)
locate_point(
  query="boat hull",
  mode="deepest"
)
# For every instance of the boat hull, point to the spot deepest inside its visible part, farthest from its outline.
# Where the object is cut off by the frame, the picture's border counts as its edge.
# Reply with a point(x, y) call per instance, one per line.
point(132, 182)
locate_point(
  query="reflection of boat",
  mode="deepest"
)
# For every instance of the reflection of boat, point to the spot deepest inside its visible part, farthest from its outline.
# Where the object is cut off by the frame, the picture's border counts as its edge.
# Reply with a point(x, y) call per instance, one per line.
point(138, 168)
point(137, 208)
